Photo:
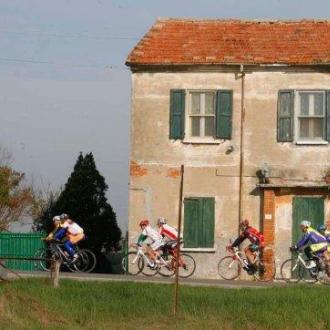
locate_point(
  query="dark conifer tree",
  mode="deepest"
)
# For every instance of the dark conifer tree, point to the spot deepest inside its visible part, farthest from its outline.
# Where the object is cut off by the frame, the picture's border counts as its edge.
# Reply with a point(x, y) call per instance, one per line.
point(84, 200)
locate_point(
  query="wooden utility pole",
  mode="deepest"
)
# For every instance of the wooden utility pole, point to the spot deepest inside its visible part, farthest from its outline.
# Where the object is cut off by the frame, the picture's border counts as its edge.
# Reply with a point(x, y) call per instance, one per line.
point(176, 284)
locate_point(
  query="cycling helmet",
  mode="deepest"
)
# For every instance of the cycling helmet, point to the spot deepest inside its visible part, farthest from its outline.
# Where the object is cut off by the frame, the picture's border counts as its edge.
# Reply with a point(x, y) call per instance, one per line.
point(321, 228)
point(64, 216)
point(161, 221)
point(305, 223)
point(244, 223)
point(144, 222)
point(56, 218)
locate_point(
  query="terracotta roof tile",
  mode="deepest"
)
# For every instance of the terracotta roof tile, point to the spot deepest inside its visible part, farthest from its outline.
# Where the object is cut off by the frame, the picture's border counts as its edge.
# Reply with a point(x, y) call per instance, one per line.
point(184, 42)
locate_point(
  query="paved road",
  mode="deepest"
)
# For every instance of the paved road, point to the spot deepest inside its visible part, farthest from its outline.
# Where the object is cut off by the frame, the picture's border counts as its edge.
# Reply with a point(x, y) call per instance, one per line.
point(156, 279)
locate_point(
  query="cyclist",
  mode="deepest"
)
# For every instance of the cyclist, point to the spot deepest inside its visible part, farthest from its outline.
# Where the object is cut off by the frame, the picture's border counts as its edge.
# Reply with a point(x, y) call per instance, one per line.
point(73, 233)
point(167, 231)
point(170, 234)
point(148, 232)
point(57, 226)
point(257, 242)
point(322, 229)
point(318, 243)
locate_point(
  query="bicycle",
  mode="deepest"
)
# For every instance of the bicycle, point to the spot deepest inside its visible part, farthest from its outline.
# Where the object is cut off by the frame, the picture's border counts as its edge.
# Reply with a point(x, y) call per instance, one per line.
point(301, 268)
point(263, 269)
point(135, 262)
point(85, 262)
point(187, 264)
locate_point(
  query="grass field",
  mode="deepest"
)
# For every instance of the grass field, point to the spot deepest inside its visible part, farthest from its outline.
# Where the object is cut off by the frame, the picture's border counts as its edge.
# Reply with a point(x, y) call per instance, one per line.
point(34, 304)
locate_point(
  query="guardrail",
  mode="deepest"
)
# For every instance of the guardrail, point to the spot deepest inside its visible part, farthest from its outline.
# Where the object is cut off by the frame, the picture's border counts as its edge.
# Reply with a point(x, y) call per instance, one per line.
point(54, 269)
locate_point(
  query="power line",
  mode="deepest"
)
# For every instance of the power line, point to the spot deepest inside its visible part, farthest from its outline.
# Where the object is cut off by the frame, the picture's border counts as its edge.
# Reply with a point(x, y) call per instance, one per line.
point(69, 35)
point(87, 65)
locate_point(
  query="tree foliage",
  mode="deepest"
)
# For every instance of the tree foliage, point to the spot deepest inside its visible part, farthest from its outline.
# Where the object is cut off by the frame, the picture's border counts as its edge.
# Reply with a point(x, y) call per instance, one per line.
point(16, 197)
point(83, 198)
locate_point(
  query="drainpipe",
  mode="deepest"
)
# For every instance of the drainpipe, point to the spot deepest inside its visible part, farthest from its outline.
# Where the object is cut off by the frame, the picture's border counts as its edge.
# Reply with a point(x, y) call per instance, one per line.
point(241, 158)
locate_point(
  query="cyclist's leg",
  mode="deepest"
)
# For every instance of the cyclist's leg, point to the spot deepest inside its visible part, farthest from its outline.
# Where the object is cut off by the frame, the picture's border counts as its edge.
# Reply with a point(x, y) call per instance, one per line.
point(73, 239)
point(69, 247)
point(308, 252)
point(249, 254)
point(155, 246)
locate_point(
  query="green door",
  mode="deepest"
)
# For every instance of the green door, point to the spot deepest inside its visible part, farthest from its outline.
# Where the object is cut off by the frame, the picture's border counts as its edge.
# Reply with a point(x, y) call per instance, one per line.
point(306, 208)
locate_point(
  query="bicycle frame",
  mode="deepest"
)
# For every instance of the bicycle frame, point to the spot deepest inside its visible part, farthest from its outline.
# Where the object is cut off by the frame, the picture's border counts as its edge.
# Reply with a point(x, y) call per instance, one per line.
point(141, 254)
point(301, 260)
point(56, 247)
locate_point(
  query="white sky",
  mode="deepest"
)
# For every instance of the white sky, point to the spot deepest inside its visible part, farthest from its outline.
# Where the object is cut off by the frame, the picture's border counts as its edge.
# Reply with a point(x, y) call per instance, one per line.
point(64, 87)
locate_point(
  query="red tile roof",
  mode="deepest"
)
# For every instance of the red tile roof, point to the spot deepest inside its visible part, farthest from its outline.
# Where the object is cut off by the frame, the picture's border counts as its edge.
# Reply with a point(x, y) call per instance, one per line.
point(188, 42)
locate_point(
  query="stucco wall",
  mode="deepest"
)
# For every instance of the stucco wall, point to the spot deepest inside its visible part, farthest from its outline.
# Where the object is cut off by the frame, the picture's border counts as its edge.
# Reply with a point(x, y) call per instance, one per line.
point(209, 169)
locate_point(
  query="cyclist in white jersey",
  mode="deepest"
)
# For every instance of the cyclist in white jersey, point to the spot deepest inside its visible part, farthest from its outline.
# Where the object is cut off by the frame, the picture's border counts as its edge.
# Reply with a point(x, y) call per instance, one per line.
point(156, 238)
point(74, 234)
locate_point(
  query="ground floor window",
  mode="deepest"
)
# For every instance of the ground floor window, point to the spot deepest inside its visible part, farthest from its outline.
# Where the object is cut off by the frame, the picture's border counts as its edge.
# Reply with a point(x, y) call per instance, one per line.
point(198, 231)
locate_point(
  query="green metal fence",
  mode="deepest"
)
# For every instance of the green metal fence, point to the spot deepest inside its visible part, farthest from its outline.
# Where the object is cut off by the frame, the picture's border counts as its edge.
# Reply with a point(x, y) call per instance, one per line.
point(20, 245)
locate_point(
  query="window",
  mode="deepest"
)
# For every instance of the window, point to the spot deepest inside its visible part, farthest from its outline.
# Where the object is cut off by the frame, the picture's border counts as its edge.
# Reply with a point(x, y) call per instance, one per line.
point(303, 116)
point(198, 231)
point(201, 116)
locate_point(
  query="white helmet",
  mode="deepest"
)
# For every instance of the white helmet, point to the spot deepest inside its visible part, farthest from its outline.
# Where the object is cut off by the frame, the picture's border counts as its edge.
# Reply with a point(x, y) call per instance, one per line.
point(161, 221)
point(305, 223)
point(56, 218)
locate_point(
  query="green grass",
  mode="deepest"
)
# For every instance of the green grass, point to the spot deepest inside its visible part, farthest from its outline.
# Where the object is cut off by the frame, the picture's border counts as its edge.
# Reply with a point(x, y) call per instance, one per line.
point(34, 304)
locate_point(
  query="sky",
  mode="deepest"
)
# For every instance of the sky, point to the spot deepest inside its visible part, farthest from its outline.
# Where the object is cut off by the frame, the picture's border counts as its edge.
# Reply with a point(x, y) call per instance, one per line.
point(64, 86)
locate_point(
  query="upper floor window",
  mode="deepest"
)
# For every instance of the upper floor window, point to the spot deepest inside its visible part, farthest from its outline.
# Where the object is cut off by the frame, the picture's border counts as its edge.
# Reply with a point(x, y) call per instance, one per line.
point(201, 115)
point(303, 116)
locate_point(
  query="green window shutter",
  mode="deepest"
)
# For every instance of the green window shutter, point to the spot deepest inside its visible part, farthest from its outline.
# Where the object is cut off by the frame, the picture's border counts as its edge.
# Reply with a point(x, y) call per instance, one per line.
point(198, 223)
point(191, 222)
point(207, 224)
point(224, 110)
point(177, 110)
point(285, 113)
point(328, 117)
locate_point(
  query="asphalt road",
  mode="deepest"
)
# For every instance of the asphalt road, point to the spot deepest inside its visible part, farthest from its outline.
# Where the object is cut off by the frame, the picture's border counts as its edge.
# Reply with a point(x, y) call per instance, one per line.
point(155, 279)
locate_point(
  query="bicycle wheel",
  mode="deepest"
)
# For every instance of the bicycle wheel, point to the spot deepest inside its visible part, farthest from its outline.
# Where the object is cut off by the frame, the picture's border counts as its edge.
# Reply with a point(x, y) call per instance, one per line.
point(266, 270)
point(167, 270)
point(187, 265)
point(132, 263)
point(148, 269)
point(91, 260)
point(311, 275)
point(229, 268)
point(80, 263)
point(42, 264)
point(291, 270)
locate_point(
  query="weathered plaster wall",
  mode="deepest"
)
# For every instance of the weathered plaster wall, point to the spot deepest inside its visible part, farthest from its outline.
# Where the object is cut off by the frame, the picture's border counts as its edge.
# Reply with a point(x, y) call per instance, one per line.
point(209, 169)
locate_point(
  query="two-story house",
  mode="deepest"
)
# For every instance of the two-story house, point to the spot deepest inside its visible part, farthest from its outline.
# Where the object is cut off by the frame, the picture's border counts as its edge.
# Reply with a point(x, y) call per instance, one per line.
point(245, 107)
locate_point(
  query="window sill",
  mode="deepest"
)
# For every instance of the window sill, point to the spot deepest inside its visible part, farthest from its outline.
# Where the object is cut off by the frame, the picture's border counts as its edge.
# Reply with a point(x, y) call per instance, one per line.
point(201, 141)
point(312, 142)
point(205, 250)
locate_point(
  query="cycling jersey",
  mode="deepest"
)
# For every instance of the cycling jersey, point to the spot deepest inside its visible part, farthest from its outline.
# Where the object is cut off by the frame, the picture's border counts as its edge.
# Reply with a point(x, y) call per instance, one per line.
point(317, 240)
point(151, 233)
point(72, 228)
point(253, 235)
point(169, 232)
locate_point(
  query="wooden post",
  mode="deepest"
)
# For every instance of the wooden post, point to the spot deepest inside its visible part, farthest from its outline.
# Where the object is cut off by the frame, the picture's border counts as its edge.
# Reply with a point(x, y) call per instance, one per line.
point(55, 272)
point(176, 284)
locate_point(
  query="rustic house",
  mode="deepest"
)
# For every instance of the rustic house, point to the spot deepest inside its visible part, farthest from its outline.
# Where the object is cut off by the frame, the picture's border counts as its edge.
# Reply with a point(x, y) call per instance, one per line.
point(245, 107)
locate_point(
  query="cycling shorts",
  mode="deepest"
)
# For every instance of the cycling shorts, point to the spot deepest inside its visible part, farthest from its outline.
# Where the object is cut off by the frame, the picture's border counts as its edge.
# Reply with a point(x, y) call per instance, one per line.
point(157, 244)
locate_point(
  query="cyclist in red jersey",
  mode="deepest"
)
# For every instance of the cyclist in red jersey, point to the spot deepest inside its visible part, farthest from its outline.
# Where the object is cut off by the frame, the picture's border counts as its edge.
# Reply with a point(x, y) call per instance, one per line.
point(254, 236)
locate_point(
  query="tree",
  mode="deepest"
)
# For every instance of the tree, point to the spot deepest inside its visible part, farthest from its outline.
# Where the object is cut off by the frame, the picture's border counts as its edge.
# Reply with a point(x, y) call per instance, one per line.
point(83, 198)
point(16, 197)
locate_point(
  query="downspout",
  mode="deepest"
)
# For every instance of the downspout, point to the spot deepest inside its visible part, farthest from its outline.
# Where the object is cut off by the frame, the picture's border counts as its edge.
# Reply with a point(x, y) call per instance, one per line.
point(241, 156)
